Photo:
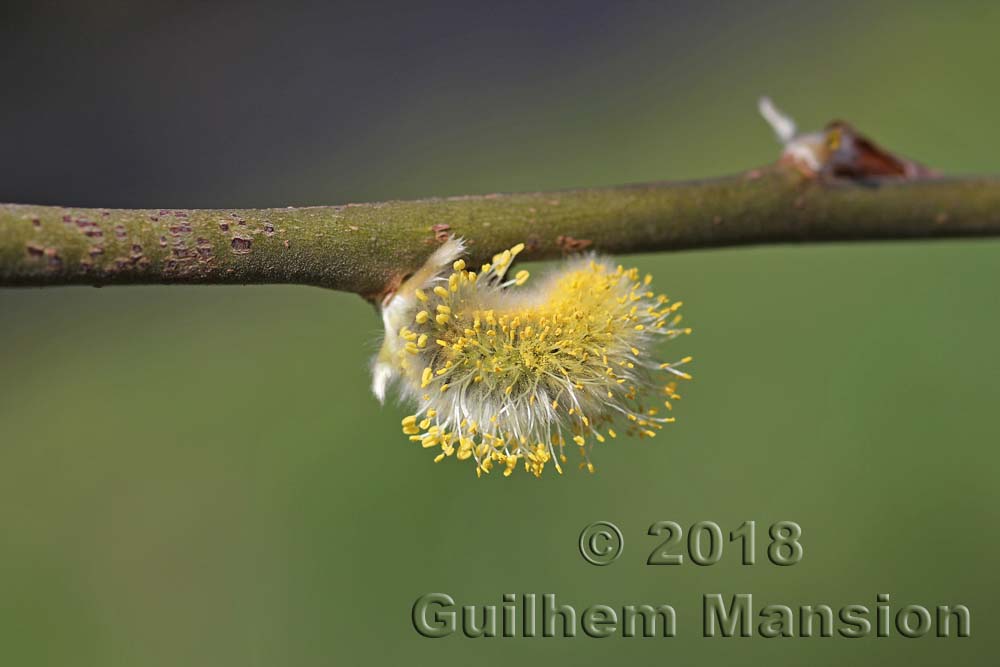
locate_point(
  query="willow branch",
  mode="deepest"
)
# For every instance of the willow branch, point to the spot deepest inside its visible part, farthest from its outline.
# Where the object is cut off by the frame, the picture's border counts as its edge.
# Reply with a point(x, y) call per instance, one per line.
point(367, 248)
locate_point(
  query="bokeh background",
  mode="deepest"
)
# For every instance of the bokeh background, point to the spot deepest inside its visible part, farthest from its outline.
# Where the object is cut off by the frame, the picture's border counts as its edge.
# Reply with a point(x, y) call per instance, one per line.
point(199, 475)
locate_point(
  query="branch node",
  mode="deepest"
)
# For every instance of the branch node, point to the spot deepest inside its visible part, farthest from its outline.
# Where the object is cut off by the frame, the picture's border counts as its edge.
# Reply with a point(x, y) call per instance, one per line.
point(838, 152)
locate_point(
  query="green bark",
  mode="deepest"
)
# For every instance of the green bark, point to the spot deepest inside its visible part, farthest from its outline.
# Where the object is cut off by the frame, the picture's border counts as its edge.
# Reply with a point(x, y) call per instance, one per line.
point(368, 248)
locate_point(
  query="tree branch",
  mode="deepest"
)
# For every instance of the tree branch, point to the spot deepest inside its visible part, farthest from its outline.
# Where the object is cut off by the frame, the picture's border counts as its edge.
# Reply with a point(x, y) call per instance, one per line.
point(830, 186)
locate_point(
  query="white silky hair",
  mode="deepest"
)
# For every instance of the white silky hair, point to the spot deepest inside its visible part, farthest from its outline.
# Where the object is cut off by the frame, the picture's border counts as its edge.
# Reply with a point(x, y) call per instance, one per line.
point(398, 309)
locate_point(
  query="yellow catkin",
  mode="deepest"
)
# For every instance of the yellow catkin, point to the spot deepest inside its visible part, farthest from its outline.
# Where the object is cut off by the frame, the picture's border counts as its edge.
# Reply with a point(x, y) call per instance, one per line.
point(517, 371)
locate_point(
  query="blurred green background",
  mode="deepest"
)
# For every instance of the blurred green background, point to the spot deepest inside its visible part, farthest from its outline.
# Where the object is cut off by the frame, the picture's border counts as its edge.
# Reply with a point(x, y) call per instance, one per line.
point(199, 475)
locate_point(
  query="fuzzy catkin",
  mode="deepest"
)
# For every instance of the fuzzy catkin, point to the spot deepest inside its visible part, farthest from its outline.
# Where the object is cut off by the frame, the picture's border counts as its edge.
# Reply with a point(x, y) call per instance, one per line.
point(503, 374)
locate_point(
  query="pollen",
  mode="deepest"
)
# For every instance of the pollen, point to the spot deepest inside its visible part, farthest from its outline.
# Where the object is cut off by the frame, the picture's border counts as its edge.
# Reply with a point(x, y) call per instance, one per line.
point(519, 370)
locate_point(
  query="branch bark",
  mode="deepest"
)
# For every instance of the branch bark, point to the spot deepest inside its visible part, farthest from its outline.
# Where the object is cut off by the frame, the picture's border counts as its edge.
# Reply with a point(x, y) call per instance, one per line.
point(368, 248)
point(835, 185)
